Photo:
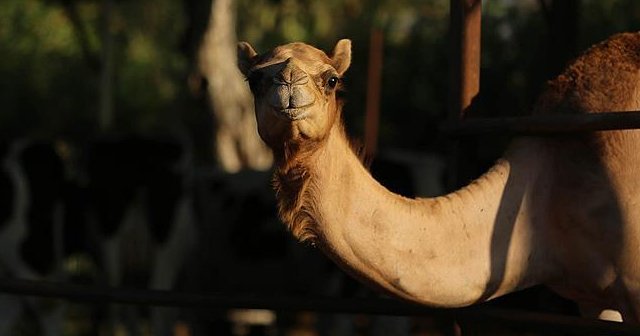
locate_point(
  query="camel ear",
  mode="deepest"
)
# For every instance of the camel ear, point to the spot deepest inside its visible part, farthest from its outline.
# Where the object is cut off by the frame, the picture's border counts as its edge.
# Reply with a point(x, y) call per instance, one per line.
point(341, 57)
point(245, 55)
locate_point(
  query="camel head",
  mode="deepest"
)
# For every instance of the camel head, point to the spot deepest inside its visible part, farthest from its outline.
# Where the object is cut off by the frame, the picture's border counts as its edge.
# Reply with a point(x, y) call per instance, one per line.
point(294, 88)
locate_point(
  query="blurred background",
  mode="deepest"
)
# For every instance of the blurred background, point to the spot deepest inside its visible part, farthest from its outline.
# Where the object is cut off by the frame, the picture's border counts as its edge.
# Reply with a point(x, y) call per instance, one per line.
point(130, 156)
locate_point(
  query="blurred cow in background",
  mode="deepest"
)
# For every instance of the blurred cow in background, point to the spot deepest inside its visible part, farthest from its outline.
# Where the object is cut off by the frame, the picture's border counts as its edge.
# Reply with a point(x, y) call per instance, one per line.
point(115, 213)
point(136, 213)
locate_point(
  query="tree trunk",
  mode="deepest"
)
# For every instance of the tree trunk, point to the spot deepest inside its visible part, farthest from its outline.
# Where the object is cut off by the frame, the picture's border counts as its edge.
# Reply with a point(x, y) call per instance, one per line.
point(238, 145)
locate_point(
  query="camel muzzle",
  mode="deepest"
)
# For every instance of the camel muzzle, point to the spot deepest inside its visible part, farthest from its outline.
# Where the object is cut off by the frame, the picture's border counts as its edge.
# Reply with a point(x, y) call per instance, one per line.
point(291, 101)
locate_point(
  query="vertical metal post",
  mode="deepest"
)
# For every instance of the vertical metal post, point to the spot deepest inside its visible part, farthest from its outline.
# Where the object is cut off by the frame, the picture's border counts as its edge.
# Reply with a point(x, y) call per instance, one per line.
point(465, 34)
point(465, 29)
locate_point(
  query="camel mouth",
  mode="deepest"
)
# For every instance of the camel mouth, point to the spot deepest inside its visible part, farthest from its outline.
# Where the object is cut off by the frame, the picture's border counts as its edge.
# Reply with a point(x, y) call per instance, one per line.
point(292, 114)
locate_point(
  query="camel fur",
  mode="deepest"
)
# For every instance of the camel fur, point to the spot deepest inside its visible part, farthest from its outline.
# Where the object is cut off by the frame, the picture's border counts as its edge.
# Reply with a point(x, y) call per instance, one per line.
point(561, 211)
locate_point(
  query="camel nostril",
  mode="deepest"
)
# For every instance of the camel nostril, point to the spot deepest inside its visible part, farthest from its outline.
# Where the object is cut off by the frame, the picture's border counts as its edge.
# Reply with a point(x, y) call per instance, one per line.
point(291, 75)
point(300, 78)
point(292, 80)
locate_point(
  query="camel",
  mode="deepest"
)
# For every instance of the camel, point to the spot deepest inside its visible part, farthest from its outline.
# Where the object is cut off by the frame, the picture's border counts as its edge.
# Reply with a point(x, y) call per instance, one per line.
point(561, 211)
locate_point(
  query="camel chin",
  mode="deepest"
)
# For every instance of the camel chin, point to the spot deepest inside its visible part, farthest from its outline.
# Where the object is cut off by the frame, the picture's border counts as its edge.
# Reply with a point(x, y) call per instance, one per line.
point(286, 128)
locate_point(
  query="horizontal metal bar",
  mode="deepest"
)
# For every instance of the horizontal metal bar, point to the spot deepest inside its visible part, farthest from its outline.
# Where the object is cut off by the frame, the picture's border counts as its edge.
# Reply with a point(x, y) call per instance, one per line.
point(556, 124)
point(479, 313)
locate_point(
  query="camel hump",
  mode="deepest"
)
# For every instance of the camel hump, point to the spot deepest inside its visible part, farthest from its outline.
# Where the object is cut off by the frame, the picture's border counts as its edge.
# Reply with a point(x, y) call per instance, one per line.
point(605, 78)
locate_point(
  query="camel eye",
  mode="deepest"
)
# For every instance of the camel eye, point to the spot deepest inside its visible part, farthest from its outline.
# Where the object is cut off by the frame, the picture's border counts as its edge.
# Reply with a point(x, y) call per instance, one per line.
point(333, 81)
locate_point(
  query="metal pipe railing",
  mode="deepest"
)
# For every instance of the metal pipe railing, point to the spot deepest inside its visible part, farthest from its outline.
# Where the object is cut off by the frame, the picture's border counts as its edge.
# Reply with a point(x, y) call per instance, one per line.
point(556, 124)
point(479, 313)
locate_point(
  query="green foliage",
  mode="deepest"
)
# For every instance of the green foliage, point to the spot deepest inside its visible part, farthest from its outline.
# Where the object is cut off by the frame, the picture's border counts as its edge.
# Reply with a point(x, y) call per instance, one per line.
point(37, 62)
point(152, 69)
point(50, 82)
point(49, 87)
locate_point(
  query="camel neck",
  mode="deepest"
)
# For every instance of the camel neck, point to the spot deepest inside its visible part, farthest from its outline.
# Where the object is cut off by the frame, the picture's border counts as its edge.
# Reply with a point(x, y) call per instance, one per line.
point(465, 247)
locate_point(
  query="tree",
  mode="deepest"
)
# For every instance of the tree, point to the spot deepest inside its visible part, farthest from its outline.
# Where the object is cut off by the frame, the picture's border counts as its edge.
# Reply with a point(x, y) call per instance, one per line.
point(238, 145)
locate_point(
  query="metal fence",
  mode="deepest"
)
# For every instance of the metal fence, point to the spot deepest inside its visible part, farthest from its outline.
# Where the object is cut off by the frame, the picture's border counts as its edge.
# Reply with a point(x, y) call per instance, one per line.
point(531, 320)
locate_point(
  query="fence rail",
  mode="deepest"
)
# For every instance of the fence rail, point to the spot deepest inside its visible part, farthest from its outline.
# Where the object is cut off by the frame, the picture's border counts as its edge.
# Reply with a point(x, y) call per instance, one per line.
point(556, 124)
point(92, 294)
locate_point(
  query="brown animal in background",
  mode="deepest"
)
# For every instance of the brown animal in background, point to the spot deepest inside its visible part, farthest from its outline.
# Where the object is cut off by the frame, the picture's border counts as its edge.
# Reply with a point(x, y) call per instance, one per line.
point(561, 211)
